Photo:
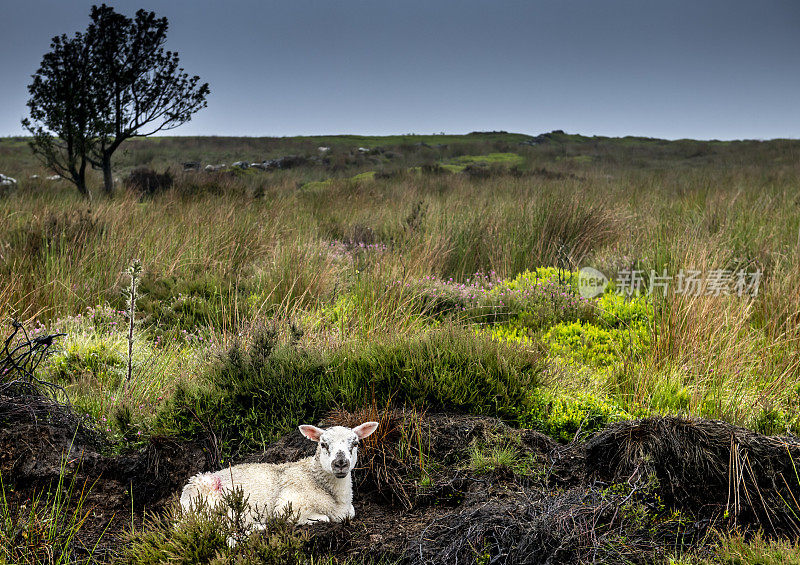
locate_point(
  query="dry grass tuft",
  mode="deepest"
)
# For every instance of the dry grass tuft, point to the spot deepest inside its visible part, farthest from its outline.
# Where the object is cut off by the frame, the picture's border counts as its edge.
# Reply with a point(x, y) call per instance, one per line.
point(391, 457)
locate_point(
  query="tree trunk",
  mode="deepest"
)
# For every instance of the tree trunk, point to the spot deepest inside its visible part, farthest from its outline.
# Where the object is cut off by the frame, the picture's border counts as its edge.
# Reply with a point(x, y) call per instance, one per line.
point(82, 188)
point(78, 177)
point(108, 179)
point(80, 182)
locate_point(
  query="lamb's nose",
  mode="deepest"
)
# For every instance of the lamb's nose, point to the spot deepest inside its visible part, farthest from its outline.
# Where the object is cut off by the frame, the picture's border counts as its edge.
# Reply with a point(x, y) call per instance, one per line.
point(340, 464)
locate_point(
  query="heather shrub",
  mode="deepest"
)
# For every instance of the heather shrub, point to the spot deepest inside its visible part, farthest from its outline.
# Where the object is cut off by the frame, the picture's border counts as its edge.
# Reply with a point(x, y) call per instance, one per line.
point(258, 392)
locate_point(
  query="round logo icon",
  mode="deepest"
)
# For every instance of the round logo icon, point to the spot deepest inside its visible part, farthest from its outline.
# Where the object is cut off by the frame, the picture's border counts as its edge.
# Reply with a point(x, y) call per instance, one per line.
point(591, 282)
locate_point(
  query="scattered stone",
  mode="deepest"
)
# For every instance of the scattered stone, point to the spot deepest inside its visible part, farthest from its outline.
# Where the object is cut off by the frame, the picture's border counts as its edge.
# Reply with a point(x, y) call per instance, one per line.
point(7, 181)
point(191, 166)
point(538, 140)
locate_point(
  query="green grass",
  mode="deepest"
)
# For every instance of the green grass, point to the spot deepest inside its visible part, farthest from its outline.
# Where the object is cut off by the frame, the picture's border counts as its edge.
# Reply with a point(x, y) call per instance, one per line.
point(500, 453)
point(323, 184)
point(46, 529)
point(91, 364)
point(490, 159)
point(570, 416)
point(737, 549)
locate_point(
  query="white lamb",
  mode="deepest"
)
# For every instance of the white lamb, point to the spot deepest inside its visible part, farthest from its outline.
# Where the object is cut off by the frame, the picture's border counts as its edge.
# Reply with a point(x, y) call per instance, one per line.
point(316, 489)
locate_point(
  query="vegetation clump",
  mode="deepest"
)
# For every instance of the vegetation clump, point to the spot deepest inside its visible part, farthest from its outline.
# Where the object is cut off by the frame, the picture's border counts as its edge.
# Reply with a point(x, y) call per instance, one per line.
point(257, 393)
point(216, 535)
point(569, 417)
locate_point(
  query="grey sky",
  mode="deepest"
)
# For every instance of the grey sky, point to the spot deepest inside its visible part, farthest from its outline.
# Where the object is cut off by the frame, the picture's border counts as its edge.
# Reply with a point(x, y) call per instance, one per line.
point(699, 69)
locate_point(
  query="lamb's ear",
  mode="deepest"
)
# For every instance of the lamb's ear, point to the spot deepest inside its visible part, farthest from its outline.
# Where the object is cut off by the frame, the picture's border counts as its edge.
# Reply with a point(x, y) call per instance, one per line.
point(365, 429)
point(311, 432)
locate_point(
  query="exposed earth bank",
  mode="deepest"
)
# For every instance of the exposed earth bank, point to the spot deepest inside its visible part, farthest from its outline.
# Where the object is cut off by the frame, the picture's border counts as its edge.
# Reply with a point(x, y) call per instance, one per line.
point(472, 488)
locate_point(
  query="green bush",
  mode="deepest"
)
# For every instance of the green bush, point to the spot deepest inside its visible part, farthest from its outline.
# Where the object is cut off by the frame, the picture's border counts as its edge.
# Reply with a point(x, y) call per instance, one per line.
point(562, 417)
point(620, 331)
point(597, 346)
point(771, 421)
point(170, 303)
point(615, 311)
point(256, 394)
point(527, 303)
point(95, 359)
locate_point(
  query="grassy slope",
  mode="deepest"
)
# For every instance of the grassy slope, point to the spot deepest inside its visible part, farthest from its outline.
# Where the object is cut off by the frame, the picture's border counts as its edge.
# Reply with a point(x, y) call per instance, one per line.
point(325, 256)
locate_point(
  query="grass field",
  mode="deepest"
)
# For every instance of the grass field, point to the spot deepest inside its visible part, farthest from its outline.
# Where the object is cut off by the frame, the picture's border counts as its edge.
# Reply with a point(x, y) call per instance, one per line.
point(439, 272)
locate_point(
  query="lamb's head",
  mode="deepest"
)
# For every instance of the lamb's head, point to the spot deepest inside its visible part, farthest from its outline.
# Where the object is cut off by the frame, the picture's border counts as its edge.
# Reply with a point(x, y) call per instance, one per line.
point(337, 448)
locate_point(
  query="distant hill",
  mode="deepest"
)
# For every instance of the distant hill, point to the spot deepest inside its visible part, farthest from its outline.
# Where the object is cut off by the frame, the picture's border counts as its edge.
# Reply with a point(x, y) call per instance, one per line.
point(356, 153)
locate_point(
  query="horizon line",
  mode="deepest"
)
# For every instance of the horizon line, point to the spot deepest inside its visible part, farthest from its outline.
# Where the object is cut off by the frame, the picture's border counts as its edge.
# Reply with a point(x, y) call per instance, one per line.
point(442, 134)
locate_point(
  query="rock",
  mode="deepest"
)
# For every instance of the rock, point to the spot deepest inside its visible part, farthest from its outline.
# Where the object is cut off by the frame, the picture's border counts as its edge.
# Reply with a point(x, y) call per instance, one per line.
point(538, 140)
point(191, 166)
point(241, 164)
point(7, 181)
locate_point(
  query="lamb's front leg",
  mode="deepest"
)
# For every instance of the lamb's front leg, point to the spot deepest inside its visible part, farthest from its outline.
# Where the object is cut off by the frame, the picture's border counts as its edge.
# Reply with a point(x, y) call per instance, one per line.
point(314, 519)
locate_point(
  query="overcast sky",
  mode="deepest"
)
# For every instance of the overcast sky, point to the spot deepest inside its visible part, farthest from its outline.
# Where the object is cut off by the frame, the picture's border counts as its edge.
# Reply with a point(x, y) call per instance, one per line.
point(715, 69)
